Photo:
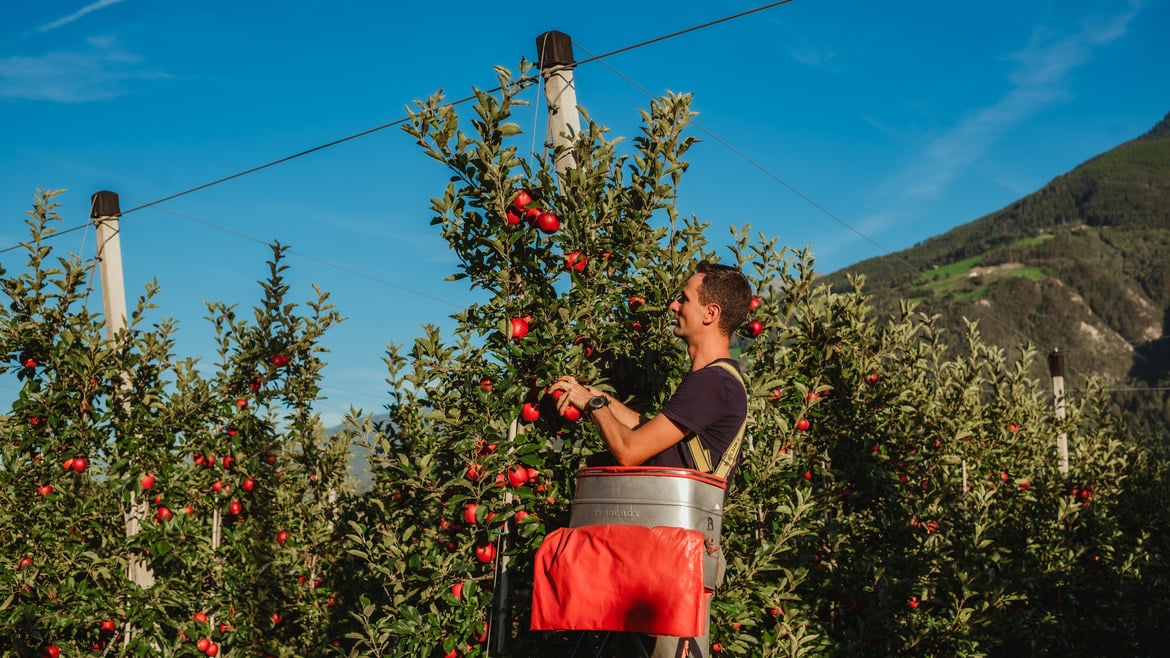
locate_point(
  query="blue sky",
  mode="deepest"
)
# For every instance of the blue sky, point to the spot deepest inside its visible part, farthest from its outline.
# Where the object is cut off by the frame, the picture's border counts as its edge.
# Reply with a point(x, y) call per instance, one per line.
point(856, 128)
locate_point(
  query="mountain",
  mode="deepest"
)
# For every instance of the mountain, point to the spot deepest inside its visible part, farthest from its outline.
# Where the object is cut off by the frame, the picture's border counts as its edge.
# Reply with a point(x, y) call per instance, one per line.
point(1081, 265)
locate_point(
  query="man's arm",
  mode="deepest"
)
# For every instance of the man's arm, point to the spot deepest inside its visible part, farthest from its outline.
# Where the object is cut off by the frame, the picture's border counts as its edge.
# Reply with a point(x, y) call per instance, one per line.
point(630, 440)
point(633, 446)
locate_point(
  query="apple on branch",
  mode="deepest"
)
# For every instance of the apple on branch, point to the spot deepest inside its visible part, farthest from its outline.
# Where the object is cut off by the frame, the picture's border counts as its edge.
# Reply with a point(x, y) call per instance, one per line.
point(548, 223)
point(519, 328)
point(523, 198)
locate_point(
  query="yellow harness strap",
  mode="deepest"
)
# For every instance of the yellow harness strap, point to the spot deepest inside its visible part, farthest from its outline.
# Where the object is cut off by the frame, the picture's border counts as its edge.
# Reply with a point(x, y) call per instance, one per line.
point(702, 456)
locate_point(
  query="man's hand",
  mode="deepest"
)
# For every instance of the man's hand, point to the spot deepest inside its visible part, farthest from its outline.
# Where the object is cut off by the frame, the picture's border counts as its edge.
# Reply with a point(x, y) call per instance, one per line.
point(572, 392)
point(629, 438)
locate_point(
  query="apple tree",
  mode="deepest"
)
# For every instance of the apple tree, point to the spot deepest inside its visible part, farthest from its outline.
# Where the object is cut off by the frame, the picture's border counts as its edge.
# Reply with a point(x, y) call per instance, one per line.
point(151, 508)
point(474, 464)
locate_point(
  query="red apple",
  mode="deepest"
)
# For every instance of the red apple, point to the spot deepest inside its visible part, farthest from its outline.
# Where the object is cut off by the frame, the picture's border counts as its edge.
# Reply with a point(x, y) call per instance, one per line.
point(636, 302)
point(44, 489)
point(108, 626)
point(548, 223)
point(217, 486)
point(280, 360)
point(521, 514)
point(474, 472)
point(212, 649)
point(248, 484)
point(533, 474)
point(235, 507)
point(802, 425)
point(163, 514)
point(52, 651)
point(579, 340)
point(1013, 428)
point(755, 328)
point(469, 511)
point(511, 217)
point(202, 644)
point(575, 261)
point(485, 384)
point(29, 362)
point(24, 562)
point(482, 637)
point(532, 214)
point(754, 303)
point(485, 552)
point(530, 412)
point(146, 481)
point(457, 591)
point(519, 328)
point(871, 378)
point(241, 402)
point(518, 476)
point(255, 384)
point(275, 617)
point(201, 617)
point(571, 413)
point(523, 198)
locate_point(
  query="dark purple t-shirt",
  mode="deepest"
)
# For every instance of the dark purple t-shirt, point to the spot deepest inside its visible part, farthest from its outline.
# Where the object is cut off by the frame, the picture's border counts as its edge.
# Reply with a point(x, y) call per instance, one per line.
point(711, 403)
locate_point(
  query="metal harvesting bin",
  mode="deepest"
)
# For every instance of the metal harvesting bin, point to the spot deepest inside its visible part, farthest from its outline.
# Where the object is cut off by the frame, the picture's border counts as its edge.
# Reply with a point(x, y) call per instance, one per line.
point(655, 496)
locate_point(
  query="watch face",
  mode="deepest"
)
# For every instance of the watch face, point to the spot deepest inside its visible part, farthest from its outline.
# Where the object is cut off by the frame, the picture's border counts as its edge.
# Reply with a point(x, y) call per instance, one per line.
point(596, 403)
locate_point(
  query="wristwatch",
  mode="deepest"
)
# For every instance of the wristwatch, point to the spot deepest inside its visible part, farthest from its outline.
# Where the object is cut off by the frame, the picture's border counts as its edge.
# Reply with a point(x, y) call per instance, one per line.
point(596, 402)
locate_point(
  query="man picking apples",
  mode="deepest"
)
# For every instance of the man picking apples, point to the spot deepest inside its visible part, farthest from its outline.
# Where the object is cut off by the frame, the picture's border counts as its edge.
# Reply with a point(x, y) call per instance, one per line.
point(710, 402)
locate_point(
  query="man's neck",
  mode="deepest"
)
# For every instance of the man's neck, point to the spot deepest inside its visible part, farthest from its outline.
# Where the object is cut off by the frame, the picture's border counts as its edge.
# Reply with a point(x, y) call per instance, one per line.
point(704, 354)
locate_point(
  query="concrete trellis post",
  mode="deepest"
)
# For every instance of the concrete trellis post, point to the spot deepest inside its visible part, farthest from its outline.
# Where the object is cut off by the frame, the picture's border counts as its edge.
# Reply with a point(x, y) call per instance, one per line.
point(1056, 369)
point(555, 56)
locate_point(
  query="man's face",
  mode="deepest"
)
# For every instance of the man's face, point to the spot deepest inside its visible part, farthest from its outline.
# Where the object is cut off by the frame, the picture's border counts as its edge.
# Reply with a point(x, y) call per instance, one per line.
point(688, 311)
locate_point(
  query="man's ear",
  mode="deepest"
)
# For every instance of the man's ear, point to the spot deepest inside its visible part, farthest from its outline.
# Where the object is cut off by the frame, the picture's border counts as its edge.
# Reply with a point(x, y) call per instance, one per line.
point(714, 312)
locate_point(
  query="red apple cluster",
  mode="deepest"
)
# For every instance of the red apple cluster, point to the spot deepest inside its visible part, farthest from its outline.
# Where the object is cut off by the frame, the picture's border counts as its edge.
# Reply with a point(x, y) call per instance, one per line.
point(522, 208)
point(755, 327)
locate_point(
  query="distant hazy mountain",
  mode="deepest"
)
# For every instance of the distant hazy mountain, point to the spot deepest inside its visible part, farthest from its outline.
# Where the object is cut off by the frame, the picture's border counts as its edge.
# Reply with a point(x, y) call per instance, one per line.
point(1081, 265)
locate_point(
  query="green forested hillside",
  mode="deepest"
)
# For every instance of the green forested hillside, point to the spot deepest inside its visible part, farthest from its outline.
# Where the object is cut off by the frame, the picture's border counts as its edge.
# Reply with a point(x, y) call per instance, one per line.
point(1081, 265)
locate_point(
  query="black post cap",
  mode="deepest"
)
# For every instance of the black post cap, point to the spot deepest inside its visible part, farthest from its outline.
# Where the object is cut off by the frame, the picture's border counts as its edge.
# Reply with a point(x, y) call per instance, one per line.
point(104, 204)
point(554, 49)
point(1056, 364)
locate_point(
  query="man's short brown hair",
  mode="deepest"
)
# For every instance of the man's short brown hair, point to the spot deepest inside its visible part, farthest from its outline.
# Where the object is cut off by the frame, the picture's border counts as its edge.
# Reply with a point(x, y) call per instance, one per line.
point(729, 288)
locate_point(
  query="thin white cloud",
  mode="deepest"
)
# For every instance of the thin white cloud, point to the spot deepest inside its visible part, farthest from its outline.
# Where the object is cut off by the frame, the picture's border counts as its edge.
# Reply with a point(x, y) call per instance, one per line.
point(90, 8)
point(1040, 79)
point(100, 71)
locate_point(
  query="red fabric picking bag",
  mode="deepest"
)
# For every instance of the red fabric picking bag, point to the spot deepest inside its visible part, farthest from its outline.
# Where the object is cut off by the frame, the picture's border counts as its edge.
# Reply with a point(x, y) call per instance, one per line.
point(625, 578)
